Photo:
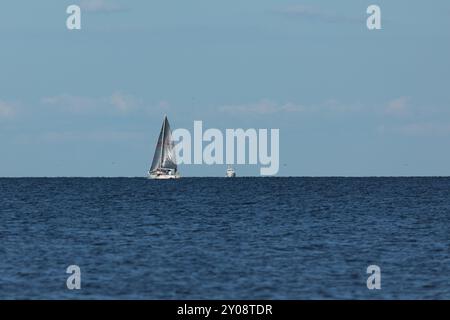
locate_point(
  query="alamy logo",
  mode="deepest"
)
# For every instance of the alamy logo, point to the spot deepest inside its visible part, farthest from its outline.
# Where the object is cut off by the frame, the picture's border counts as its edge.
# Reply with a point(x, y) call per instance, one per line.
point(241, 146)
point(74, 280)
point(374, 280)
point(73, 22)
point(374, 20)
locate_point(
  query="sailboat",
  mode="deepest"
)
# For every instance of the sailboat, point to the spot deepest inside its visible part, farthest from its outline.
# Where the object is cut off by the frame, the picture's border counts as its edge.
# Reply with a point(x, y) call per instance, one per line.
point(164, 164)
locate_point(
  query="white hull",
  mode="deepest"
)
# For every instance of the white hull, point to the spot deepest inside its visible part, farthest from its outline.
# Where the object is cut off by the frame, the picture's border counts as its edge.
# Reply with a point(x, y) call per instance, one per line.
point(163, 176)
point(231, 173)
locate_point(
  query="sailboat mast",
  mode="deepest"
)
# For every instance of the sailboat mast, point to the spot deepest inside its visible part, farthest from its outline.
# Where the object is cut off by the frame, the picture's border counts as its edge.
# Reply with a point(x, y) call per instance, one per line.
point(162, 143)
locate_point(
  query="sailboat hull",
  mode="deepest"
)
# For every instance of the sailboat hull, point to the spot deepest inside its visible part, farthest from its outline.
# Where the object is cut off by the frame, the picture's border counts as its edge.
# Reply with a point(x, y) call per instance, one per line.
point(230, 172)
point(163, 176)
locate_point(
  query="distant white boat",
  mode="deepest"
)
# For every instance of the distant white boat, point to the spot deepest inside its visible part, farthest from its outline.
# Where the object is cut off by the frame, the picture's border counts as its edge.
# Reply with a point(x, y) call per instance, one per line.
point(230, 172)
point(164, 164)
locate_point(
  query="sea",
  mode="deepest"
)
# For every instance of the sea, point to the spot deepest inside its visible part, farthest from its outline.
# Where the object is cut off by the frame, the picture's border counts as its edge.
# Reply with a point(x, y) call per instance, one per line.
point(218, 238)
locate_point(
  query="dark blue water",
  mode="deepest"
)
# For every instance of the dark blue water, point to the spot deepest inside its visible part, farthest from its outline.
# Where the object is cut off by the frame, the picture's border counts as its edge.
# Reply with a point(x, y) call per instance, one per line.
point(215, 238)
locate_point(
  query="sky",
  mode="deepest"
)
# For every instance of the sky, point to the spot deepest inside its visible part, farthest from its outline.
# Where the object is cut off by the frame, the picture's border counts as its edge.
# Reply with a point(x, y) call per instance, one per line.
point(347, 101)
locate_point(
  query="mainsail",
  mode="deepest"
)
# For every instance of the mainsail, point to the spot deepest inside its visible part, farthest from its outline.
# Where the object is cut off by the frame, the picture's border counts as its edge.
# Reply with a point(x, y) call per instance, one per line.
point(164, 157)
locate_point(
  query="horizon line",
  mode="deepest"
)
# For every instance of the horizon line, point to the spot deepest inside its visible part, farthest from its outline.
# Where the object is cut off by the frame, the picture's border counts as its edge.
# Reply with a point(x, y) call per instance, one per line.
point(259, 176)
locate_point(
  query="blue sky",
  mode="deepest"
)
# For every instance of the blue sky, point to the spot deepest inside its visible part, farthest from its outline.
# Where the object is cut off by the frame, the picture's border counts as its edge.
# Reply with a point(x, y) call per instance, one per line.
point(348, 101)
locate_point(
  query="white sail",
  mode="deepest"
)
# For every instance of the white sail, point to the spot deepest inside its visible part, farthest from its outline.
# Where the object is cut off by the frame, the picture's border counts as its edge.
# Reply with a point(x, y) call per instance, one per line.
point(168, 158)
point(164, 164)
point(156, 163)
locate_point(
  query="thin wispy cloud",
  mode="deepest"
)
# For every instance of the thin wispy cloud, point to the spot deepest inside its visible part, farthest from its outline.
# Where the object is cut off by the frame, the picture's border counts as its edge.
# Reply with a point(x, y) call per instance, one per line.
point(315, 13)
point(124, 103)
point(269, 107)
point(117, 103)
point(333, 105)
point(263, 107)
point(417, 129)
point(401, 107)
point(100, 6)
point(398, 107)
point(71, 103)
point(7, 110)
point(104, 136)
